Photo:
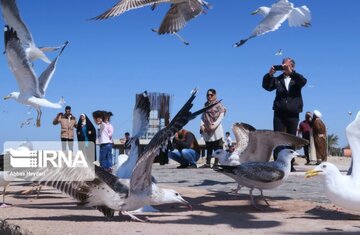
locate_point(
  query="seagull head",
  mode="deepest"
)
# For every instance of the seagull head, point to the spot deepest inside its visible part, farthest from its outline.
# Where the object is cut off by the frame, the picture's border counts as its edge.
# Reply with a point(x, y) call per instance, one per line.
point(222, 155)
point(12, 95)
point(325, 168)
point(171, 196)
point(264, 11)
point(286, 155)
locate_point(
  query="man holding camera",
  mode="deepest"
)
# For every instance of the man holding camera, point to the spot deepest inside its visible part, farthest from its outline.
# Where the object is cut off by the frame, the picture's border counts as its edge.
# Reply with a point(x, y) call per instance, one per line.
point(288, 103)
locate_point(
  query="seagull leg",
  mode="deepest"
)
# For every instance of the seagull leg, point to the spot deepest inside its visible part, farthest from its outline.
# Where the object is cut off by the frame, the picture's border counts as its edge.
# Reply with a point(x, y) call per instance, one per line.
point(181, 39)
point(38, 118)
point(262, 196)
point(132, 216)
point(3, 204)
point(38, 191)
point(237, 189)
point(252, 200)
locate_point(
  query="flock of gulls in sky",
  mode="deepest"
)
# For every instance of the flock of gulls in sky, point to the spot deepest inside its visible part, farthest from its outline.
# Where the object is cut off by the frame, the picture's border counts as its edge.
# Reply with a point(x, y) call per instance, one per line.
point(21, 49)
point(132, 187)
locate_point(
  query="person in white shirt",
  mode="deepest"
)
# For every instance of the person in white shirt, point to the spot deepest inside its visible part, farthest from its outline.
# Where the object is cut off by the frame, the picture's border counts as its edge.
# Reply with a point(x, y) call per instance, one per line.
point(104, 138)
point(288, 103)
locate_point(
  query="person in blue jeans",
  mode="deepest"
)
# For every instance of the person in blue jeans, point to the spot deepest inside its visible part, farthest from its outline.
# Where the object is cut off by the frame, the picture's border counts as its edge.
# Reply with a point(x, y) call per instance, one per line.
point(186, 149)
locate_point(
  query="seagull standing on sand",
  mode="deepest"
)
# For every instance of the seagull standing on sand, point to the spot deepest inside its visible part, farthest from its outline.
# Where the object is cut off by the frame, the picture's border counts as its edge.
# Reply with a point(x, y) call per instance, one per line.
point(181, 12)
point(279, 12)
point(343, 190)
point(261, 175)
point(255, 145)
point(109, 193)
point(32, 89)
point(13, 19)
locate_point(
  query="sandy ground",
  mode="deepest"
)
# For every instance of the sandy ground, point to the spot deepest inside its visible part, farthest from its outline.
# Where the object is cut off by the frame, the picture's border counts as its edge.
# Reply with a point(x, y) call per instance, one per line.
point(299, 206)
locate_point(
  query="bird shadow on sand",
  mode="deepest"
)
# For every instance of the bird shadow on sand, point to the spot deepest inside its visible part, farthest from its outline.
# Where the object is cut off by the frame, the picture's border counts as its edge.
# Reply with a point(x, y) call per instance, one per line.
point(221, 208)
point(323, 213)
point(212, 183)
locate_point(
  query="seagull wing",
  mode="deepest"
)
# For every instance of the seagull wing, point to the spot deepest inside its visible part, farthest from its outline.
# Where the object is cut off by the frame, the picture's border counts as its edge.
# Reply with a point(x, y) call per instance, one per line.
point(126, 5)
point(141, 179)
point(278, 14)
point(353, 136)
point(241, 132)
point(47, 74)
point(140, 124)
point(262, 142)
point(19, 64)
point(299, 16)
point(259, 171)
point(13, 19)
point(178, 15)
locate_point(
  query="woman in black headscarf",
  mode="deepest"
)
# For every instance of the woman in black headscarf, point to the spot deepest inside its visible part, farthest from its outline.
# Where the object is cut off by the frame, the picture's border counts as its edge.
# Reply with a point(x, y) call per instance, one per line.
point(85, 133)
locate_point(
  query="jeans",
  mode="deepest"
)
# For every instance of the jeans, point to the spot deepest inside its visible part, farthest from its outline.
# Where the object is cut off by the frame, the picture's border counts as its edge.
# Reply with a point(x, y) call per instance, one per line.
point(105, 158)
point(185, 156)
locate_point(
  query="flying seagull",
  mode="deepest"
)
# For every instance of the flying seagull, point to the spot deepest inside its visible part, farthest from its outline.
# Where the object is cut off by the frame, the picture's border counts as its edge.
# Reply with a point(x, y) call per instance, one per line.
point(255, 145)
point(279, 52)
point(279, 12)
point(32, 89)
point(343, 190)
point(181, 12)
point(261, 175)
point(13, 19)
point(108, 193)
point(26, 122)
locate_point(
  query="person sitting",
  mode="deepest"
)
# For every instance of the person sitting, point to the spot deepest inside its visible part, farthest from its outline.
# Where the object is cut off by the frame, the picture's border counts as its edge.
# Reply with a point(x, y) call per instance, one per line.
point(186, 149)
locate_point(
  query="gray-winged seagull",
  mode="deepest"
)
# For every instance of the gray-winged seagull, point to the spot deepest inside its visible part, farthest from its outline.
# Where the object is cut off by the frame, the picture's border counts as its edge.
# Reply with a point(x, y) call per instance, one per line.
point(255, 145)
point(273, 18)
point(13, 19)
point(32, 89)
point(343, 190)
point(261, 175)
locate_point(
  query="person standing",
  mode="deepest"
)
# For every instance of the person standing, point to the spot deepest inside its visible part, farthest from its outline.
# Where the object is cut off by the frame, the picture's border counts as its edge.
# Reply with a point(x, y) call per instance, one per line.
point(104, 138)
point(211, 127)
point(288, 103)
point(86, 133)
point(304, 132)
point(186, 149)
point(68, 123)
point(319, 133)
point(127, 145)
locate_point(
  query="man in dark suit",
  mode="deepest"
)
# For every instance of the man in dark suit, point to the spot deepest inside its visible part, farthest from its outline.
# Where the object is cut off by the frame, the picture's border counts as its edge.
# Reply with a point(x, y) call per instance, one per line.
point(288, 103)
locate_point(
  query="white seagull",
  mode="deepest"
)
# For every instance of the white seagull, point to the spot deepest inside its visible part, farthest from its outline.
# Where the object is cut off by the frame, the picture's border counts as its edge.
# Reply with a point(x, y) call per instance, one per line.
point(13, 19)
point(261, 175)
point(32, 89)
point(343, 190)
point(109, 193)
point(279, 12)
point(255, 145)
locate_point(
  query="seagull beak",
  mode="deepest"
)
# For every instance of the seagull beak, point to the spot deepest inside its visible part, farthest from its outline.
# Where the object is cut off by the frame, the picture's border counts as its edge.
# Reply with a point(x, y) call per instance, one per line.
point(254, 12)
point(311, 173)
point(183, 201)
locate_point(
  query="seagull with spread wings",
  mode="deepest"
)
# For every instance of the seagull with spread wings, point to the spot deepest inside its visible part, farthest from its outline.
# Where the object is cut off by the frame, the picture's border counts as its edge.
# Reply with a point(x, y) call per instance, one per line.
point(108, 193)
point(181, 12)
point(255, 145)
point(13, 19)
point(279, 12)
point(32, 89)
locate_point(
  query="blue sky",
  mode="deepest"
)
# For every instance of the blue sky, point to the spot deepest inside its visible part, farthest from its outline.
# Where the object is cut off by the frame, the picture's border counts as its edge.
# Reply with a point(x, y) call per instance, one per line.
point(107, 62)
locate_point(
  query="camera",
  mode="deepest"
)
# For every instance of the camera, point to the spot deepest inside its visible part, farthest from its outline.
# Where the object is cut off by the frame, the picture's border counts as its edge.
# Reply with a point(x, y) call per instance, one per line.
point(278, 67)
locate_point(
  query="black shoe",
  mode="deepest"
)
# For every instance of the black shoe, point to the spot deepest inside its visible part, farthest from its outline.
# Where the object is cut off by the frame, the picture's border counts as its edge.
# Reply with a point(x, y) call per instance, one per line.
point(192, 166)
point(293, 169)
point(205, 166)
point(182, 166)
